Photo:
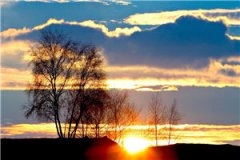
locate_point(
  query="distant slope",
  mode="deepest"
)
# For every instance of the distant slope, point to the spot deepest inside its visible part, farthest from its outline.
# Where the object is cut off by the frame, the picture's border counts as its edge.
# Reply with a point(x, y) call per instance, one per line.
point(54, 149)
point(195, 152)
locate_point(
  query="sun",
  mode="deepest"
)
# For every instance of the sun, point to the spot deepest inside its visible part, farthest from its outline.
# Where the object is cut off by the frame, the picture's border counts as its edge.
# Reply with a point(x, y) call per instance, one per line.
point(135, 144)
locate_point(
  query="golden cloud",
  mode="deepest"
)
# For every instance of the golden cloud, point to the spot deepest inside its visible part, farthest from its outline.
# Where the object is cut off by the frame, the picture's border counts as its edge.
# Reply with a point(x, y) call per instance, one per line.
point(11, 33)
point(15, 47)
point(146, 78)
point(228, 16)
point(157, 89)
point(115, 33)
point(30, 130)
point(49, 22)
point(187, 133)
point(138, 77)
point(15, 53)
point(14, 79)
point(233, 37)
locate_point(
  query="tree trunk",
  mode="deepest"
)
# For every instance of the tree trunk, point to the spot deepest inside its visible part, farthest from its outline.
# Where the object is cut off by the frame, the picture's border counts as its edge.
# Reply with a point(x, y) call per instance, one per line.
point(169, 133)
point(56, 124)
point(83, 131)
point(115, 132)
point(156, 134)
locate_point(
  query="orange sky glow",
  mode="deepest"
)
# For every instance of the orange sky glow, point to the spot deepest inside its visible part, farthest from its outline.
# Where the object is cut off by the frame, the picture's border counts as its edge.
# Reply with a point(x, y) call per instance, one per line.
point(184, 133)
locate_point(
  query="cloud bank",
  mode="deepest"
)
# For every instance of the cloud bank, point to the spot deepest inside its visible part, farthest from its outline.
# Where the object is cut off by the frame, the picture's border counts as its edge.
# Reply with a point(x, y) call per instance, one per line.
point(209, 134)
point(227, 16)
point(189, 52)
point(12, 32)
point(220, 73)
point(195, 41)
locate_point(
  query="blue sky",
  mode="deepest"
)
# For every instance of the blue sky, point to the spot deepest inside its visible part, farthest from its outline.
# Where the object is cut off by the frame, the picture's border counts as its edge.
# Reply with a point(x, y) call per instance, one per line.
point(185, 50)
point(30, 14)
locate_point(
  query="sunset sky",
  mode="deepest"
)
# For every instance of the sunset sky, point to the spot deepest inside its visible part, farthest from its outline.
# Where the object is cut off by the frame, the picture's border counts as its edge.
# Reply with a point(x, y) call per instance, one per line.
point(186, 50)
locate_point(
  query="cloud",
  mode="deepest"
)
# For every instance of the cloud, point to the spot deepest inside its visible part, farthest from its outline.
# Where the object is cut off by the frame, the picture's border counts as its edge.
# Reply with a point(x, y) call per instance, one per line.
point(115, 33)
point(49, 22)
point(227, 16)
point(121, 2)
point(210, 134)
point(157, 88)
point(189, 52)
point(104, 2)
point(12, 47)
point(15, 53)
point(143, 78)
point(189, 133)
point(14, 79)
point(146, 78)
point(233, 37)
point(189, 42)
point(11, 33)
point(46, 130)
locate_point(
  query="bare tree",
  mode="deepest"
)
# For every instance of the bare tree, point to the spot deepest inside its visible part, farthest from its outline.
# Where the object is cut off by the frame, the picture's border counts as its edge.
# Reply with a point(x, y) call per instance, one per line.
point(66, 75)
point(161, 114)
point(157, 113)
point(173, 119)
point(88, 75)
point(96, 112)
point(121, 113)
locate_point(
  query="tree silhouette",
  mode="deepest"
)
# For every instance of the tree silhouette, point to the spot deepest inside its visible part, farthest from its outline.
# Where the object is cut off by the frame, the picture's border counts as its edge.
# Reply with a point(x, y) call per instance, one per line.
point(157, 113)
point(97, 114)
point(88, 89)
point(161, 114)
point(67, 79)
point(173, 119)
point(121, 113)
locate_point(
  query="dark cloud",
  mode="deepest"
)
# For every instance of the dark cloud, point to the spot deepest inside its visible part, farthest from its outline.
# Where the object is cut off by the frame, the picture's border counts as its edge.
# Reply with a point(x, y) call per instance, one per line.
point(229, 72)
point(155, 88)
point(190, 42)
point(79, 33)
point(14, 61)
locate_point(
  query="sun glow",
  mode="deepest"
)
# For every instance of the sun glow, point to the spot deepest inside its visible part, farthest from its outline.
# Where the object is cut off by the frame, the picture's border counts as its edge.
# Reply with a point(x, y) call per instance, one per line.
point(135, 144)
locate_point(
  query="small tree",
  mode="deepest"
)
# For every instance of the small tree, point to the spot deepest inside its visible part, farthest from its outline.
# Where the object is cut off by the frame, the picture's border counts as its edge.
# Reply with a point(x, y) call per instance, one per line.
point(121, 113)
point(173, 119)
point(161, 114)
point(157, 113)
point(96, 113)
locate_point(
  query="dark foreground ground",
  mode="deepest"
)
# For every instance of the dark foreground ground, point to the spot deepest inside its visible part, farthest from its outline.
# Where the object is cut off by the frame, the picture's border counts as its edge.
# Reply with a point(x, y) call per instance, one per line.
point(105, 149)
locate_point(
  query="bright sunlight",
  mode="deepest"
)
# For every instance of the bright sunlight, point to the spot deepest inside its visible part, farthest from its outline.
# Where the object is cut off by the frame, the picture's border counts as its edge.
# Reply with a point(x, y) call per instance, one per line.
point(135, 144)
